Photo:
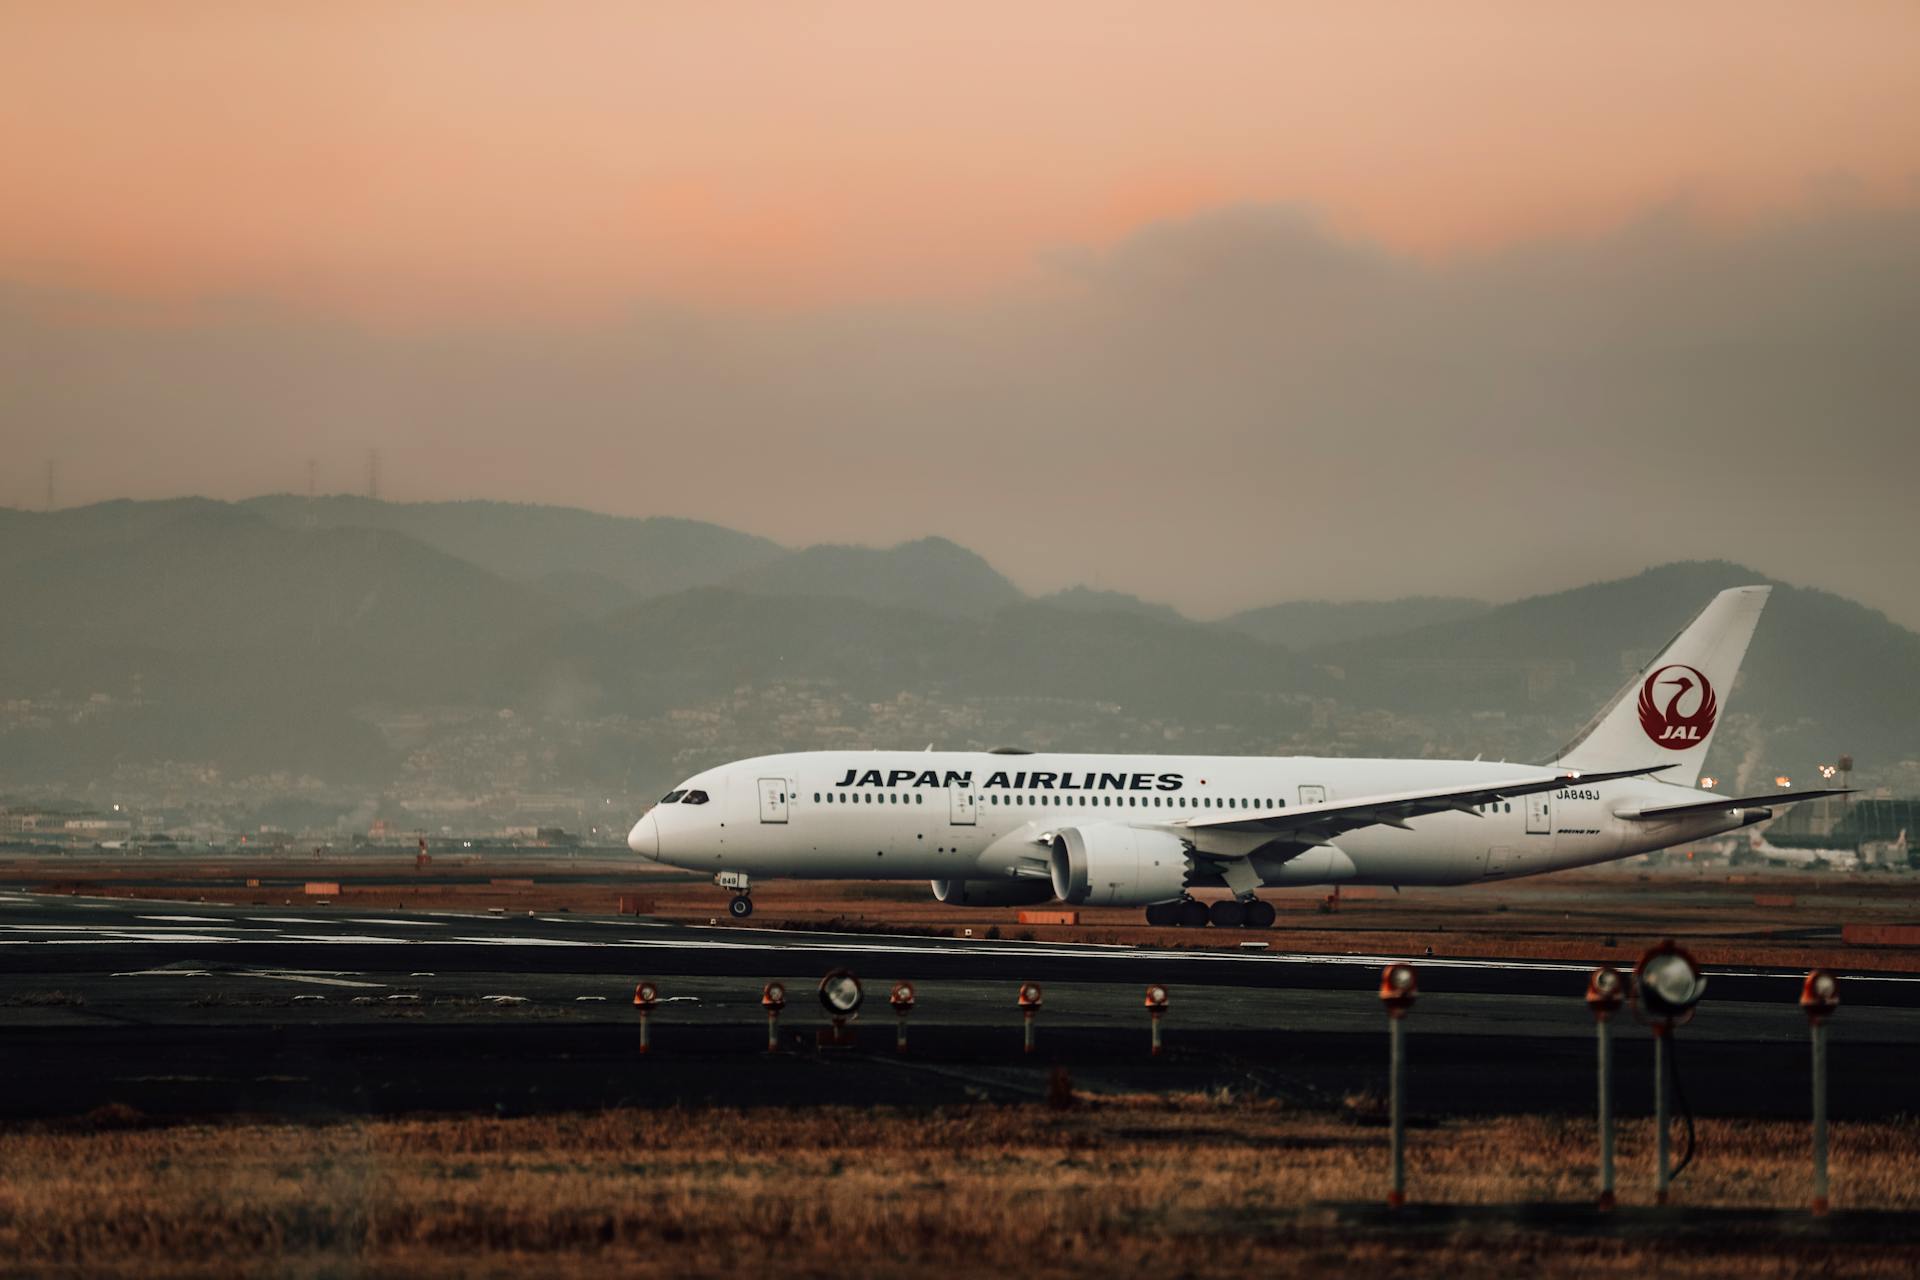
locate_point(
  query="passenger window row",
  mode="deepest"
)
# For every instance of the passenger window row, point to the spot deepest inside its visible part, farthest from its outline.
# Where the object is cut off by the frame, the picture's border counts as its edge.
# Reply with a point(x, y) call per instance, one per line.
point(1055, 801)
point(868, 797)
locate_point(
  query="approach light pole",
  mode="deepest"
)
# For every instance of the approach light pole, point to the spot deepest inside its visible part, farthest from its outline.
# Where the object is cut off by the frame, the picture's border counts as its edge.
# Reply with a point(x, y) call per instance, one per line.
point(1667, 985)
point(1819, 998)
point(1399, 986)
point(840, 996)
point(1606, 989)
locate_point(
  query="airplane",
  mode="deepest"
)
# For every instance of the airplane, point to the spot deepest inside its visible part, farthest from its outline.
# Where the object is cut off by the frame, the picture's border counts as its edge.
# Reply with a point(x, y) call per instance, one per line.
point(1816, 859)
point(1013, 828)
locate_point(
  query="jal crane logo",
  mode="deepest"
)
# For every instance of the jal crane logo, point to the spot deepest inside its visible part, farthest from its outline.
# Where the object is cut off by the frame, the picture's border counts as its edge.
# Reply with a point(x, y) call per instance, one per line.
point(1677, 707)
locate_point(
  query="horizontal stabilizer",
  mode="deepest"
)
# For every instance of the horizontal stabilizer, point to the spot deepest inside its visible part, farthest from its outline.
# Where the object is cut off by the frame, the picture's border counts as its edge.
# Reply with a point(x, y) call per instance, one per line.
point(1718, 803)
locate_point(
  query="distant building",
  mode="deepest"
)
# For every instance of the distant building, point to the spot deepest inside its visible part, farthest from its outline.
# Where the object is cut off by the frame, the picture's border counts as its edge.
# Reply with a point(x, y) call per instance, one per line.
point(97, 828)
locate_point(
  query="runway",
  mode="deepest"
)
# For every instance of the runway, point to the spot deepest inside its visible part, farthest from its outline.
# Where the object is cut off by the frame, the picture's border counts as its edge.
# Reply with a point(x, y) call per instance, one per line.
point(329, 1010)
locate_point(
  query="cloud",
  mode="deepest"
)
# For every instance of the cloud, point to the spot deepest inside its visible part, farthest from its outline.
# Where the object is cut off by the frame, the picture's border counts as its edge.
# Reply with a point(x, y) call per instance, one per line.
point(1220, 411)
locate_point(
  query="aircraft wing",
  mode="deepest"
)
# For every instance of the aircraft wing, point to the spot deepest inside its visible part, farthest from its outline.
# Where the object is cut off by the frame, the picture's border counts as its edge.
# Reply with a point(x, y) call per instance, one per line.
point(1728, 802)
point(1311, 824)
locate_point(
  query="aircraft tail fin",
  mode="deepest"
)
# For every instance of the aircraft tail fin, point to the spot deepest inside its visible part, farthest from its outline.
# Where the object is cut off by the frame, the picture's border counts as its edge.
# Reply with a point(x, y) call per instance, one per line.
point(1667, 713)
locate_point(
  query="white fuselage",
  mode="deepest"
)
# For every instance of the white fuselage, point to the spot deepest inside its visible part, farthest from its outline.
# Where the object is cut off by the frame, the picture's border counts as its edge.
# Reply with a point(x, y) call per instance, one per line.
point(979, 816)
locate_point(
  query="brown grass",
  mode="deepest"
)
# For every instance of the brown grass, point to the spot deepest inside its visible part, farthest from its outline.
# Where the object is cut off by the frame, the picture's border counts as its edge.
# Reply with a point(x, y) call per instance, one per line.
point(1199, 1186)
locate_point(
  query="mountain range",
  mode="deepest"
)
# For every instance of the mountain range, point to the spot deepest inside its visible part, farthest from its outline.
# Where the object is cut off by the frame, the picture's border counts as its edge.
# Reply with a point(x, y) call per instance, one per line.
point(291, 634)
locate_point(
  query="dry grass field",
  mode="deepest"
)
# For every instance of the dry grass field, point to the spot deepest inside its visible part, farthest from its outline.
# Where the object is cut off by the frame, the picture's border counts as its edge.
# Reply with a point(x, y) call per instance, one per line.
point(1195, 1186)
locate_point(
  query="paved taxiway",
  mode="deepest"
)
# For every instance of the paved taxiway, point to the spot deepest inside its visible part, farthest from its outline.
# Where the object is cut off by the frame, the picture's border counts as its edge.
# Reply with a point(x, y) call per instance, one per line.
point(283, 1009)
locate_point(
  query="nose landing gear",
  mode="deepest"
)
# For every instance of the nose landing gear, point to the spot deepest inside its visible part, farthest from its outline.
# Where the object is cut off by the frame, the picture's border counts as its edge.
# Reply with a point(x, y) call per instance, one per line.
point(742, 906)
point(1228, 913)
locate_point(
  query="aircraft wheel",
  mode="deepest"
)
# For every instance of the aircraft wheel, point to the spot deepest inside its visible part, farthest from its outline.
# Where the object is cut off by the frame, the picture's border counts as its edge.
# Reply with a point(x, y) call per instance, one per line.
point(741, 907)
point(1227, 913)
point(1161, 915)
point(1193, 915)
point(1259, 915)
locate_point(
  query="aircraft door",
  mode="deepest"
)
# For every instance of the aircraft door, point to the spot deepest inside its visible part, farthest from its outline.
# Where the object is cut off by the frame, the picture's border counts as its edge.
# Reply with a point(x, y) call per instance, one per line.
point(774, 793)
point(1313, 795)
point(1540, 814)
point(962, 809)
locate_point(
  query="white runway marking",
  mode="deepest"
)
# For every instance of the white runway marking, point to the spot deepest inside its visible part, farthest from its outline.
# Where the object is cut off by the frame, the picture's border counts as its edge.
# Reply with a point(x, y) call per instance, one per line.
point(534, 942)
point(99, 931)
point(186, 919)
point(320, 980)
point(344, 939)
point(49, 928)
point(125, 937)
point(415, 924)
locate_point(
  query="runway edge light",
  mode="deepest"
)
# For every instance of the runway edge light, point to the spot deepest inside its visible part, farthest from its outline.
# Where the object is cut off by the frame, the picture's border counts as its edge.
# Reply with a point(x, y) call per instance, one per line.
point(1029, 1002)
point(773, 998)
point(1399, 987)
point(901, 998)
point(645, 997)
point(1156, 1008)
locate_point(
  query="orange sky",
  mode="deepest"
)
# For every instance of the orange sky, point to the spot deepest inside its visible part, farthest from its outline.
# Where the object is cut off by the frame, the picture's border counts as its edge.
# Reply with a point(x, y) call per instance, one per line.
point(514, 162)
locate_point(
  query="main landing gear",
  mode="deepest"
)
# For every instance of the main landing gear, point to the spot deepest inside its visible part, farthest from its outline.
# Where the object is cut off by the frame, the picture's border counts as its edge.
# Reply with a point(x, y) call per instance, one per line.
point(1227, 913)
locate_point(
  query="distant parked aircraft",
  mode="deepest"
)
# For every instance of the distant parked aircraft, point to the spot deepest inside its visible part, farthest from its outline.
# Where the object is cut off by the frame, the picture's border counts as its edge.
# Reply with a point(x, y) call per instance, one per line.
point(1837, 859)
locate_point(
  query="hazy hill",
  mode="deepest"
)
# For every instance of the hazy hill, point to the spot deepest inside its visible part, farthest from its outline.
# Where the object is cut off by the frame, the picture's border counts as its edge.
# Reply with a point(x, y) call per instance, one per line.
point(222, 636)
point(217, 578)
point(1094, 600)
point(931, 574)
point(243, 635)
point(677, 650)
point(528, 542)
point(682, 649)
point(33, 535)
point(1305, 624)
point(591, 595)
point(1188, 672)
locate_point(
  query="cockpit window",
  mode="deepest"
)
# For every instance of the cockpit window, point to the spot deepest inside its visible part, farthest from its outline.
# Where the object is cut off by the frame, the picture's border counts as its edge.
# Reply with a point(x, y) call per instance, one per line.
point(672, 797)
point(694, 797)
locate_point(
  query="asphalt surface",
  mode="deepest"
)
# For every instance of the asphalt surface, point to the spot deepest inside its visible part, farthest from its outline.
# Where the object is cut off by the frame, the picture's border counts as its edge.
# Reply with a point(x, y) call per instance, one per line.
point(176, 1008)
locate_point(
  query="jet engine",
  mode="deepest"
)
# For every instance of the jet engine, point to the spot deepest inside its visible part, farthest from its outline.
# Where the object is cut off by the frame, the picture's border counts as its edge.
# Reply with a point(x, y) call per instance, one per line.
point(992, 893)
point(1110, 865)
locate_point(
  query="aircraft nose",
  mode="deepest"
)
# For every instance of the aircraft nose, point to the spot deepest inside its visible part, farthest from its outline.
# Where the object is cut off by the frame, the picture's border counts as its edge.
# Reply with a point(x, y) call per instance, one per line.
point(644, 839)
